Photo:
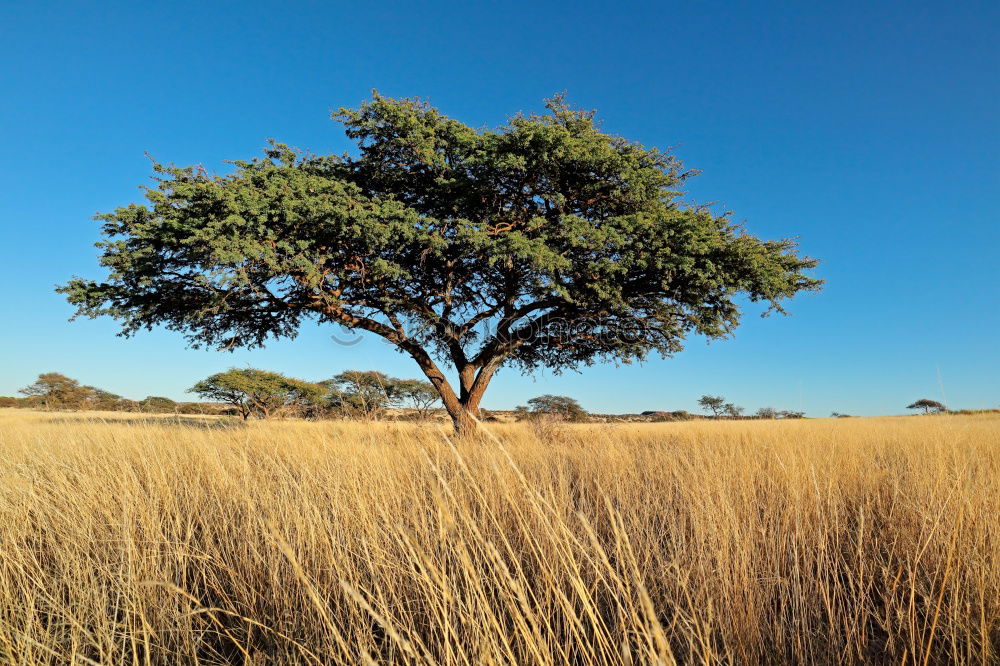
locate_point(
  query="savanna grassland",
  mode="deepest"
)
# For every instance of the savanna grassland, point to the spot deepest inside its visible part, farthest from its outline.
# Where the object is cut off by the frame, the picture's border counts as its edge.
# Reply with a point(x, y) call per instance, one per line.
point(145, 540)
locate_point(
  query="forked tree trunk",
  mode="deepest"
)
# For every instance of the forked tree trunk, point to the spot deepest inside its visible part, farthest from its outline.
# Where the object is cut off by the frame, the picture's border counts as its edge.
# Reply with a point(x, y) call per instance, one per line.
point(463, 408)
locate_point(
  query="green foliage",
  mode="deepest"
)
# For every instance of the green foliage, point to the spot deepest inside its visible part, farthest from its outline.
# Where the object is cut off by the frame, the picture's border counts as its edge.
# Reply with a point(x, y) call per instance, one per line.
point(367, 394)
point(102, 400)
point(928, 406)
point(258, 392)
point(421, 396)
point(545, 242)
point(155, 403)
point(196, 408)
point(656, 416)
point(732, 411)
point(713, 403)
point(554, 406)
point(361, 394)
point(53, 390)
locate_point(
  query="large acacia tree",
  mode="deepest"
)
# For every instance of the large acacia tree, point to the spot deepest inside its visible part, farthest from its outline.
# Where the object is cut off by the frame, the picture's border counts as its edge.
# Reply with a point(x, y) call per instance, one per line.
point(544, 242)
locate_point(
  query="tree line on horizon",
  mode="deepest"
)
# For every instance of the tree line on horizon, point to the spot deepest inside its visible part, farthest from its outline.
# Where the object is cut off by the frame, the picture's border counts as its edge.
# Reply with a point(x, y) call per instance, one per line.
point(247, 392)
point(254, 393)
point(719, 408)
point(251, 392)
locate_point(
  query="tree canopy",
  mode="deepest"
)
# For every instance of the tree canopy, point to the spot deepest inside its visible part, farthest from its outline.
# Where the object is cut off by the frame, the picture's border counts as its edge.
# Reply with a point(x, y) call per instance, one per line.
point(53, 390)
point(544, 242)
point(732, 411)
point(368, 394)
point(927, 405)
point(258, 392)
point(420, 396)
point(713, 403)
point(558, 406)
point(363, 393)
point(157, 403)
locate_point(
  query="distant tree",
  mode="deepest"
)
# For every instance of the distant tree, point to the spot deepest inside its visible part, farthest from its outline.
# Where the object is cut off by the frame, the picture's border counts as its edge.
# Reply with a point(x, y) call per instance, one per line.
point(53, 390)
point(199, 408)
point(713, 403)
point(839, 415)
point(546, 242)
point(7, 401)
point(363, 394)
point(419, 395)
point(102, 400)
point(732, 411)
point(156, 403)
point(659, 416)
point(557, 406)
point(766, 413)
point(258, 392)
point(790, 414)
point(928, 405)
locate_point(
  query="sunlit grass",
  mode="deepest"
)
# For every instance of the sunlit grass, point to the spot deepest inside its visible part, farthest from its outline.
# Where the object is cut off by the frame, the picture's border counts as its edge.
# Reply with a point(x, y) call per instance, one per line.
point(199, 540)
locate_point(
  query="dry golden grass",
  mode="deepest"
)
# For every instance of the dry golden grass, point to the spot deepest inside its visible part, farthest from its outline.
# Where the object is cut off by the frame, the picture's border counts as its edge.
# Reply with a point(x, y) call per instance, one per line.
point(151, 540)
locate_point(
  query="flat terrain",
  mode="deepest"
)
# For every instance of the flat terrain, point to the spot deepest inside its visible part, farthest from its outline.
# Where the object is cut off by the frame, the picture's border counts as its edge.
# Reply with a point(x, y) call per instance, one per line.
point(135, 540)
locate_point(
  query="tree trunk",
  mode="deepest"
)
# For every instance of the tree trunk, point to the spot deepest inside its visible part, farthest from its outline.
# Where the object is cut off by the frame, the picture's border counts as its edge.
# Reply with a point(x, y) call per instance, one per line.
point(464, 408)
point(464, 418)
point(464, 421)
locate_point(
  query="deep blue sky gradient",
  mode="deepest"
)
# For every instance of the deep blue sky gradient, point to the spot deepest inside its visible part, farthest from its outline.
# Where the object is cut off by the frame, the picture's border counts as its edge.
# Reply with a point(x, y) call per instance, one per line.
point(869, 129)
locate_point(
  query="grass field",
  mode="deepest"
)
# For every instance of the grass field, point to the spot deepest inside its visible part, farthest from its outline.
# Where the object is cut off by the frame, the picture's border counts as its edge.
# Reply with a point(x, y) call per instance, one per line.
point(150, 540)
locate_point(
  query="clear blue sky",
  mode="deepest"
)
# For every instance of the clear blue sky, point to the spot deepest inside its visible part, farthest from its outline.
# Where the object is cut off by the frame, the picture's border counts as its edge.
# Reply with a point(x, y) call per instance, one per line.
point(870, 129)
